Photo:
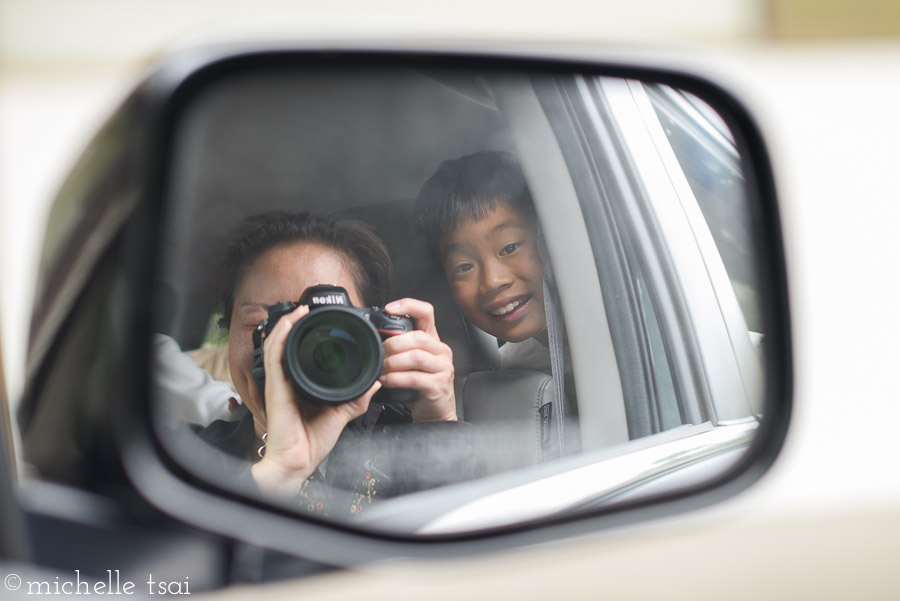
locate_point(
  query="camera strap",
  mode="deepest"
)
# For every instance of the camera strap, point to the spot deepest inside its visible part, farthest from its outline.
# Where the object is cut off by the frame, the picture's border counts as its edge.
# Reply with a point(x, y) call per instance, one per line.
point(365, 423)
point(553, 314)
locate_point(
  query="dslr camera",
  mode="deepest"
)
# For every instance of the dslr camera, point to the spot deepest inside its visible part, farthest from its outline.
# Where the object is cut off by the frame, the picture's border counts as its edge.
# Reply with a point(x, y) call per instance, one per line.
point(334, 353)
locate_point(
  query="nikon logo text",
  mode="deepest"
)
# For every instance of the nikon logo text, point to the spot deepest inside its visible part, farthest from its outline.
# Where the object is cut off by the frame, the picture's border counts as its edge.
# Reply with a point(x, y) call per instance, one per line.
point(329, 299)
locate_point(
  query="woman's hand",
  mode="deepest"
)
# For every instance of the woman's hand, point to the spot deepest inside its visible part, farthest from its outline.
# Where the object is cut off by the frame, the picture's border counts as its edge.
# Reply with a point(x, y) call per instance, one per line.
point(300, 435)
point(419, 360)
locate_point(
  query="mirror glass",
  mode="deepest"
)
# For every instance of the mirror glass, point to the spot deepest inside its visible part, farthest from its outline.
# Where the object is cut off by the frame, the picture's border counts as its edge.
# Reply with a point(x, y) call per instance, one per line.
point(378, 280)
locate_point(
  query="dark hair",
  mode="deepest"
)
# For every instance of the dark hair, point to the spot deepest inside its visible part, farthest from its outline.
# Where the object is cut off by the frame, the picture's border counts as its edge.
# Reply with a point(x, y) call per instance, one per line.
point(366, 257)
point(468, 188)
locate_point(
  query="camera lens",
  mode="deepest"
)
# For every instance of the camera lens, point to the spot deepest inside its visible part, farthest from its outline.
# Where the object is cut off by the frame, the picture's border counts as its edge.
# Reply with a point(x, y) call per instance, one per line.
point(333, 355)
point(329, 357)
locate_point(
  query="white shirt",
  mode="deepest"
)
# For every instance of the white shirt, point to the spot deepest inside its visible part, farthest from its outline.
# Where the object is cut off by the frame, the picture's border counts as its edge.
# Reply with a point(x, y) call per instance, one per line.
point(529, 354)
point(190, 393)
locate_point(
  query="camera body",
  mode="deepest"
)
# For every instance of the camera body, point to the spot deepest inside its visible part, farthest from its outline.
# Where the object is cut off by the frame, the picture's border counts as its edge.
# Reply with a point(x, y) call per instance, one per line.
point(334, 353)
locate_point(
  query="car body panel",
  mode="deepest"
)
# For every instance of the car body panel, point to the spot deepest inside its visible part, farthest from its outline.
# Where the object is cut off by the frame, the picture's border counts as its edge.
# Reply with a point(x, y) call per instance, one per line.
point(822, 502)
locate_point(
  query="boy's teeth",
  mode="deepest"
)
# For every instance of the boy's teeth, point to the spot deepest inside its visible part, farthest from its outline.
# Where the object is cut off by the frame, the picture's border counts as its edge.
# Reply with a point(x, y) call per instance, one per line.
point(507, 308)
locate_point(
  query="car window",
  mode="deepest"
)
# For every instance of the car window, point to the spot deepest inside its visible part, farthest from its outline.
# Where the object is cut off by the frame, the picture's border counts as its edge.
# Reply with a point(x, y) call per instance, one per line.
point(651, 350)
point(670, 251)
point(710, 161)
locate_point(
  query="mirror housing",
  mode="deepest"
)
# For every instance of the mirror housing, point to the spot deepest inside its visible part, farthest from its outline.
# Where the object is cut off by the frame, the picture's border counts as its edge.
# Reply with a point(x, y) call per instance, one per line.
point(90, 369)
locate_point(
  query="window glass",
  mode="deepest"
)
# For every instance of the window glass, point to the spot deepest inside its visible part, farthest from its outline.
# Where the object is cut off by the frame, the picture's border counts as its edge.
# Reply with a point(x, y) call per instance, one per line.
point(293, 216)
point(707, 154)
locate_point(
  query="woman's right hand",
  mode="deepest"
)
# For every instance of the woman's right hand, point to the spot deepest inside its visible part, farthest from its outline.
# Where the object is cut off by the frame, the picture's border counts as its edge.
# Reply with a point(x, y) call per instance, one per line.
point(300, 435)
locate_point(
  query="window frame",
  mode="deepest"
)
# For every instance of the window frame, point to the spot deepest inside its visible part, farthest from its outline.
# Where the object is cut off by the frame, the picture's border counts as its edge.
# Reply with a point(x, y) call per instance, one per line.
point(713, 359)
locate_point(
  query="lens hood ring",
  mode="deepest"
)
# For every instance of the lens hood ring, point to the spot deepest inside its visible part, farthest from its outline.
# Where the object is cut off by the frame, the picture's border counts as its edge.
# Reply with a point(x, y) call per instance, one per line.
point(333, 355)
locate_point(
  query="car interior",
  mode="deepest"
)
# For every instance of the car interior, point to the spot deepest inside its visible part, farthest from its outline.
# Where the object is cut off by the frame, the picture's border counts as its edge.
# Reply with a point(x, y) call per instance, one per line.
point(326, 163)
point(356, 144)
point(358, 141)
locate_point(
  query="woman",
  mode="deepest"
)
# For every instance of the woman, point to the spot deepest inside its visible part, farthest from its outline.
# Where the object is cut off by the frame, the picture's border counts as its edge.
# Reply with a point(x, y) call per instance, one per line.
point(275, 257)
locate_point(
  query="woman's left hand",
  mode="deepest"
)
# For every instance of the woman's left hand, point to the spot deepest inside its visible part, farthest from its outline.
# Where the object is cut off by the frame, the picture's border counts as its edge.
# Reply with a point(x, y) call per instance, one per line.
point(419, 360)
point(301, 433)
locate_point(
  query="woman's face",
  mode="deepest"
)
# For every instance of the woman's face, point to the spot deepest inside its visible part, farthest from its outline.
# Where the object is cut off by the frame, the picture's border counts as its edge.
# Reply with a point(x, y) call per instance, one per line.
point(281, 274)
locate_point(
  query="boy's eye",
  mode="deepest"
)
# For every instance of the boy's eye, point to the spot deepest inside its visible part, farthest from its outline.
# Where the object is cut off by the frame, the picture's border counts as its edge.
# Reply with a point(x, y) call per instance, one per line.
point(510, 248)
point(462, 268)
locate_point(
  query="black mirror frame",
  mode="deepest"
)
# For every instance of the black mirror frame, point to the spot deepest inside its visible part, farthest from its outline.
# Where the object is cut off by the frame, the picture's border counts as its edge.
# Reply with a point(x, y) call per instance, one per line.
point(159, 478)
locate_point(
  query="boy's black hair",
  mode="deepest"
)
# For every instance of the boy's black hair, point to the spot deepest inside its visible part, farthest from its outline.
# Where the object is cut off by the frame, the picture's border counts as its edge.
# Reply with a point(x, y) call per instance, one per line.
point(468, 188)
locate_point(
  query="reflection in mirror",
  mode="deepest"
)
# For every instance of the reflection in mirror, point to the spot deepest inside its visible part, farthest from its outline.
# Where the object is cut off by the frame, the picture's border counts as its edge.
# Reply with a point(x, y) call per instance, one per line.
point(378, 283)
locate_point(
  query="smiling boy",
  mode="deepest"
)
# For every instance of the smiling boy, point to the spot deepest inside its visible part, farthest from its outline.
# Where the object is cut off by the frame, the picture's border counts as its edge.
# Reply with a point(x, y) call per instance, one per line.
point(478, 213)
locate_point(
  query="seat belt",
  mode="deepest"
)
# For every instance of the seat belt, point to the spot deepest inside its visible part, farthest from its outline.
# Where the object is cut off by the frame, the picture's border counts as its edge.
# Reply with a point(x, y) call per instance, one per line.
point(553, 314)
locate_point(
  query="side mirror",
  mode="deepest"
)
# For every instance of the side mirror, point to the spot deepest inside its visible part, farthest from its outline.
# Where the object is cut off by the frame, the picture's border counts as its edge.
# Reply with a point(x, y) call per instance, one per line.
point(655, 238)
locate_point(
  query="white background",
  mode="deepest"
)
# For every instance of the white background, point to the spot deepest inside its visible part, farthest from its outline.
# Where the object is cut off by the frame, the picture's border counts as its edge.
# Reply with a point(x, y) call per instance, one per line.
point(65, 65)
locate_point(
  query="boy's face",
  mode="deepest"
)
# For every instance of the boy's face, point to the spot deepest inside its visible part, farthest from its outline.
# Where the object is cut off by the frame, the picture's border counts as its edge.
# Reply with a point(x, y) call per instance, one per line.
point(496, 274)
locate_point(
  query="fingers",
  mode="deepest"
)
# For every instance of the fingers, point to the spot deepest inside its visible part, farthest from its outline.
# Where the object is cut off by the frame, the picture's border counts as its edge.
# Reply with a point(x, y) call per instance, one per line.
point(417, 360)
point(430, 385)
point(416, 351)
point(279, 392)
point(360, 405)
point(273, 347)
point(421, 311)
point(420, 361)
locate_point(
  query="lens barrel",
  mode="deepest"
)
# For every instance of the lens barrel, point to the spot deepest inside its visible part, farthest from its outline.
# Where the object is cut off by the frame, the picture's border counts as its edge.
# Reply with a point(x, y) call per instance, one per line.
point(333, 355)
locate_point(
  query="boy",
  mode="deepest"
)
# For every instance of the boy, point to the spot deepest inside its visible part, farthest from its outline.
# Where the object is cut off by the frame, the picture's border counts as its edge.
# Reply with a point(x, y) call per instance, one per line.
point(478, 212)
